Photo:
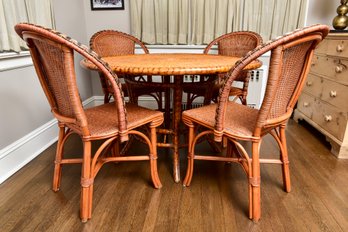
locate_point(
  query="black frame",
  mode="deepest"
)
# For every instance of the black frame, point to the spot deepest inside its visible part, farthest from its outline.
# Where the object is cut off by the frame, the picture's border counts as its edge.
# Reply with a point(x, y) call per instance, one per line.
point(107, 7)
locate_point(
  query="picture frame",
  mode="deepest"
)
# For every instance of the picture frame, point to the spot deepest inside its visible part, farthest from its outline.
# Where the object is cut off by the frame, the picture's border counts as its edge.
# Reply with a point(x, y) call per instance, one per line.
point(107, 4)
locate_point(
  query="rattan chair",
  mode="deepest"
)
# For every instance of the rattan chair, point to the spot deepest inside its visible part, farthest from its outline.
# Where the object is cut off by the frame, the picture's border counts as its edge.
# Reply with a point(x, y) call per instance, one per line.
point(114, 43)
point(53, 58)
point(236, 44)
point(289, 64)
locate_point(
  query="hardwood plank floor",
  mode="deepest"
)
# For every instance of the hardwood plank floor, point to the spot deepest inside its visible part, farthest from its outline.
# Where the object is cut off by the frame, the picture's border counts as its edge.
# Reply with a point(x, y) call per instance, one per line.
point(124, 199)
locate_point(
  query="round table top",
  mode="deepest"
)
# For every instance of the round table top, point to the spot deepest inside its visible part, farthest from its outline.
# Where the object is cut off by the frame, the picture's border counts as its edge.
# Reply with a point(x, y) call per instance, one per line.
point(171, 64)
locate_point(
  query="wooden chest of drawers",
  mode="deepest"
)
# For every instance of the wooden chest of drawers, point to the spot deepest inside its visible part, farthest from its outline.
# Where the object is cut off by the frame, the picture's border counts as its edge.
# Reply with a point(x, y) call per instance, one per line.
point(324, 99)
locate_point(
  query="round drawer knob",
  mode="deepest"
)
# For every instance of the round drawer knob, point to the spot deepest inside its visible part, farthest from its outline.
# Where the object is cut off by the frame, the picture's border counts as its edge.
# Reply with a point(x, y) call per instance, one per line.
point(339, 69)
point(339, 48)
point(328, 118)
point(333, 93)
point(306, 104)
point(309, 83)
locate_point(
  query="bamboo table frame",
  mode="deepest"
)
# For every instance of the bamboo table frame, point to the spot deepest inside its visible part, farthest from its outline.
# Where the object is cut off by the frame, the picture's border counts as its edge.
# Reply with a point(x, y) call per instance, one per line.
point(176, 65)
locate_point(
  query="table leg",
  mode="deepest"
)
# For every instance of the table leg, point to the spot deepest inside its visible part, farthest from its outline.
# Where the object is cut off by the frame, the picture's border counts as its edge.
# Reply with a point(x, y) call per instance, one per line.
point(167, 103)
point(178, 80)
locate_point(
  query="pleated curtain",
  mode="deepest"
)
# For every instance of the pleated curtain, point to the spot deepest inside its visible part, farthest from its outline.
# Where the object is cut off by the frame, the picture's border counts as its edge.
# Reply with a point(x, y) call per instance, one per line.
point(15, 11)
point(200, 21)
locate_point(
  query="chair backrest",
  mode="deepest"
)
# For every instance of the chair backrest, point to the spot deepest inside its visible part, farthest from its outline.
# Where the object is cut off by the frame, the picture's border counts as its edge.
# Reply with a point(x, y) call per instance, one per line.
point(112, 43)
point(236, 44)
point(53, 58)
point(290, 61)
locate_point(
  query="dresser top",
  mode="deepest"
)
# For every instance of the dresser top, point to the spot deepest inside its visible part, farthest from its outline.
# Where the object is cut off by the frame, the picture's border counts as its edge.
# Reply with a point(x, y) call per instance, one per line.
point(337, 35)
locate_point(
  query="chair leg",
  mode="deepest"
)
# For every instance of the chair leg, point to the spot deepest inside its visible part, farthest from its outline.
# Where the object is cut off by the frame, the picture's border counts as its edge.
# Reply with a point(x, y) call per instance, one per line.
point(231, 149)
point(160, 101)
point(254, 183)
point(167, 106)
point(189, 100)
point(285, 160)
point(86, 183)
point(224, 142)
point(153, 159)
point(106, 98)
point(58, 161)
point(190, 157)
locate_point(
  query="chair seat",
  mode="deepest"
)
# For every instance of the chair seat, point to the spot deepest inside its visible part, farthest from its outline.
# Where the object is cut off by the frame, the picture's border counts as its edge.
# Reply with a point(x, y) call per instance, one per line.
point(240, 119)
point(234, 91)
point(103, 121)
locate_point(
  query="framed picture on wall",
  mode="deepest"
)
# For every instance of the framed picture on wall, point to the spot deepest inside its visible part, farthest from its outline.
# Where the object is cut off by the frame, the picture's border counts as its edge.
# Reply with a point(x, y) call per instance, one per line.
point(107, 4)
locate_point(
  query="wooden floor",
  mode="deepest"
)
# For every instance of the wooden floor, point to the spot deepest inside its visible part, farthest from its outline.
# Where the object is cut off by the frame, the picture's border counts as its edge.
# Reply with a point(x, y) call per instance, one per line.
point(124, 199)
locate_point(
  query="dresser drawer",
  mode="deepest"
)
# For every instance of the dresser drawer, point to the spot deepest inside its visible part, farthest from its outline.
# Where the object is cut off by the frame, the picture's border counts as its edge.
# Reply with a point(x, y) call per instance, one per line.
point(324, 99)
point(331, 67)
point(305, 104)
point(313, 85)
point(337, 48)
point(330, 118)
point(336, 94)
point(322, 47)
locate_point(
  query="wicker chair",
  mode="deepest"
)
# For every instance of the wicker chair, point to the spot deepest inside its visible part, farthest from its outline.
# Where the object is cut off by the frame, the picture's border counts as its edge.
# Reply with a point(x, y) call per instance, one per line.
point(289, 64)
point(232, 44)
point(114, 43)
point(53, 58)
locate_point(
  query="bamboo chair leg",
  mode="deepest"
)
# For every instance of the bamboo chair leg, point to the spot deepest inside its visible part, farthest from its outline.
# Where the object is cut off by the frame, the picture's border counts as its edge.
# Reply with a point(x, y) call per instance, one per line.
point(90, 201)
point(190, 157)
point(115, 149)
point(153, 159)
point(106, 98)
point(255, 182)
point(285, 160)
point(224, 142)
point(160, 101)
point(59, 155)
point(231, 150)
point(86, 183)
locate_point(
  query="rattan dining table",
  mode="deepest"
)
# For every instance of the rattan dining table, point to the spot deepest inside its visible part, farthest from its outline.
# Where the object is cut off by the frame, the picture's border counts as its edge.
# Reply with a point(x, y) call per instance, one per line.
point(173, 67)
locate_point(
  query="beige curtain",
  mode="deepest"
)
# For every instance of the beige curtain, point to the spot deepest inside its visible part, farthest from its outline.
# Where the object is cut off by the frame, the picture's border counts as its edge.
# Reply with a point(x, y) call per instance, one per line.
point(15, 11)
point(200, 21)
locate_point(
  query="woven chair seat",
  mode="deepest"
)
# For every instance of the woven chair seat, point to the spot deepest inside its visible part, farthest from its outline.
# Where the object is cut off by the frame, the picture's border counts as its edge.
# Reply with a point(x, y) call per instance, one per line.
point(103, 119)
point(240, 121)
point(112, 124)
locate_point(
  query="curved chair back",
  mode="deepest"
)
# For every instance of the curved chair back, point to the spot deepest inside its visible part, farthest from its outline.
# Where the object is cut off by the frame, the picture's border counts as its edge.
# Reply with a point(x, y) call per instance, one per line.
point(236, 44)
point(290, 60)
point(53, 58)
point(113, 43)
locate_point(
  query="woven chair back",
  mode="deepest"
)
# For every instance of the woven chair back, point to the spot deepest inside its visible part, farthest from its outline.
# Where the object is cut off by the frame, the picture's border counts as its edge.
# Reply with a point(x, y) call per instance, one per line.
point(53, 58)
point(288, 75)
point(114, 43)
point(289, 65)
point(236, 44)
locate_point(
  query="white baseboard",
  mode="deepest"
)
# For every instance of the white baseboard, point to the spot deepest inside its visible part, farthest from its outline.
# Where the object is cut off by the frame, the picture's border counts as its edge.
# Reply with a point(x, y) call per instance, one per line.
point(22, 151)
point(16, 155)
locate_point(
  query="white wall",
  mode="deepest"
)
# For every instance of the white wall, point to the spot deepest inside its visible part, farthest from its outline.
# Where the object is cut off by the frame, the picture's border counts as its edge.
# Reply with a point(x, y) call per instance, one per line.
point(26, 125)
point(23, 104)
point(322, 11)
point(70, 20)
point(101, 20)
